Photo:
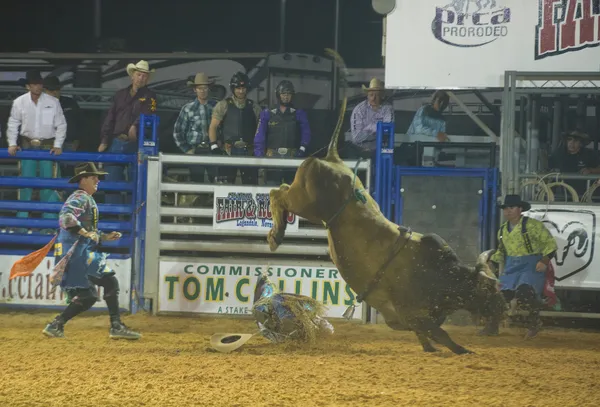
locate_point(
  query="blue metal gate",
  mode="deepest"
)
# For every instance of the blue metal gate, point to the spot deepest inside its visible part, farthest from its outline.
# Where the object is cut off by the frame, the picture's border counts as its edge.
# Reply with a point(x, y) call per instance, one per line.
point(459, 204)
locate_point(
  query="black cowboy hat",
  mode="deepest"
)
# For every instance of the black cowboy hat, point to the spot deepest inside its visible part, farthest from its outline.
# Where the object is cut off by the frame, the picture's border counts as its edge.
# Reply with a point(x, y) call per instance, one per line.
point(515, 200)
point(31, 77)
point(51, 82)
point(85, 170)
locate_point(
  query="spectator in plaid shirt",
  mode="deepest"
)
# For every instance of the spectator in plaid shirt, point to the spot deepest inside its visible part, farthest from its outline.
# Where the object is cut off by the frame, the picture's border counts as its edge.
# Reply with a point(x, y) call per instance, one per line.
point(364, 118)
point(191, 128)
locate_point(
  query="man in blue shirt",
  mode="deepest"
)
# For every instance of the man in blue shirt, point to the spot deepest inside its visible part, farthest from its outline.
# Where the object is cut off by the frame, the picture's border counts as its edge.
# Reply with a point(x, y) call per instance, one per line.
point(429, 122)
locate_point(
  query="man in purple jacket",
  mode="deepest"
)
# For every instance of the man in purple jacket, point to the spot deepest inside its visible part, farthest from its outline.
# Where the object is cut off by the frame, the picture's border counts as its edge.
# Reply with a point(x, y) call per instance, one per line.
point(282, 132)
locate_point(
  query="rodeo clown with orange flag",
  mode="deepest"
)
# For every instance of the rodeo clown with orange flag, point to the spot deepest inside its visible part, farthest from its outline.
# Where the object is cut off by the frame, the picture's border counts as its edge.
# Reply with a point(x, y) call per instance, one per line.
point(79, 266)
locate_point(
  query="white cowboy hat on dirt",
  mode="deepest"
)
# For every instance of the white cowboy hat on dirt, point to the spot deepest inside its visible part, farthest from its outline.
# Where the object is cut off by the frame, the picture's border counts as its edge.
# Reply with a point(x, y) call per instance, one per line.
point(200, 79)
point(228, 342)
point(141, 66)
point(375, 84)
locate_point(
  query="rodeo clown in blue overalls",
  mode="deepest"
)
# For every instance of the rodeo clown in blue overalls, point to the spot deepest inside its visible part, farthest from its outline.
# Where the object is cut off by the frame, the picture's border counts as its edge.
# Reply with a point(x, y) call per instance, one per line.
point(525, 248)
point(79, 266)
point(282, 132)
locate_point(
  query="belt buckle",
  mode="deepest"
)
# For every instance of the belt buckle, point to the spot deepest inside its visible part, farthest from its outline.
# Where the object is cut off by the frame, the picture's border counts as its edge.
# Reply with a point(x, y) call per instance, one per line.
point(35, 142)
point(282, 151)
point(240, 144)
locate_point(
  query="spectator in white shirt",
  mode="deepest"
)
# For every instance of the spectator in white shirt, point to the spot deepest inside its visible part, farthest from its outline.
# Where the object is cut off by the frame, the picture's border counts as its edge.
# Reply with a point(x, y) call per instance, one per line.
point(364, 118)
point(39, 120)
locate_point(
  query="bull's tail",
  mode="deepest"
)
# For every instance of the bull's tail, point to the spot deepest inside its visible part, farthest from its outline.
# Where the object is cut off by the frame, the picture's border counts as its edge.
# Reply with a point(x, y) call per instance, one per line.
point(332, 152)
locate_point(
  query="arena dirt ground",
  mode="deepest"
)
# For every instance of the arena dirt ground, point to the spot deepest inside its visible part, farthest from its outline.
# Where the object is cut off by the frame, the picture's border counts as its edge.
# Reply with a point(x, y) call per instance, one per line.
point(360, 365)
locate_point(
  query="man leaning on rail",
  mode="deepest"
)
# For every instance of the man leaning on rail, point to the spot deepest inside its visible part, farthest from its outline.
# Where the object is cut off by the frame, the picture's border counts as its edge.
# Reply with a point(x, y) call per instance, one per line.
point(191, 128)
point(38, 118)
point(572, 157)
point(237, 117)
point(72, 113)
point(80, 266)
point(120, 127)
point(282, 132)
point(364, 118)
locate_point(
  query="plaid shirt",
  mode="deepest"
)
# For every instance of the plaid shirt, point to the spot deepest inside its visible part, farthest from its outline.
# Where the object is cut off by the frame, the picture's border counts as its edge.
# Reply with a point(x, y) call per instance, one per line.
point(363, 123)
point(191, 127)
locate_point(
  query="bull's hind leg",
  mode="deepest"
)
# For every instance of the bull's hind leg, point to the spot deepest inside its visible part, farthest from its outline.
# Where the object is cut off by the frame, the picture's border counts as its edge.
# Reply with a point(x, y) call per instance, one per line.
point(427, 346)
point(429, 329)
point(391, 319)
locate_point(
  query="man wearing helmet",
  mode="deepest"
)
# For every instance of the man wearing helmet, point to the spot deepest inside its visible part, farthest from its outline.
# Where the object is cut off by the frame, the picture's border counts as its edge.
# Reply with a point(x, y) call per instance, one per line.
point(282, 132)
point(238, 117)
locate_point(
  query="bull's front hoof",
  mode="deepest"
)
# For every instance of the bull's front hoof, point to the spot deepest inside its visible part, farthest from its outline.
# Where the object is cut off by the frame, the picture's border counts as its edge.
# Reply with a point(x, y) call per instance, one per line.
point(463, 351)
point(274, 240)
point(430, 349)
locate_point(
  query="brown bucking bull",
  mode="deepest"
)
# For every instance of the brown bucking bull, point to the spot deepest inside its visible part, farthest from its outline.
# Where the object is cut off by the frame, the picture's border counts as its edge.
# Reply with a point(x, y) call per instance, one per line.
point(414, 280)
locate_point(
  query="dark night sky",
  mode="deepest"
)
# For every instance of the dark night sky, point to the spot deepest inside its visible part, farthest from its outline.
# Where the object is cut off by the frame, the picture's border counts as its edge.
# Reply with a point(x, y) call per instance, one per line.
point(194, 26)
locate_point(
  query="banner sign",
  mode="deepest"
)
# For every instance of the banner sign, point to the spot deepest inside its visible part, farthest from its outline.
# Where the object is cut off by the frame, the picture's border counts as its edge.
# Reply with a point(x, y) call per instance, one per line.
point(36, 289)
point(577, 261)
point(245, 208)
point(228, 288)
point(471, 43)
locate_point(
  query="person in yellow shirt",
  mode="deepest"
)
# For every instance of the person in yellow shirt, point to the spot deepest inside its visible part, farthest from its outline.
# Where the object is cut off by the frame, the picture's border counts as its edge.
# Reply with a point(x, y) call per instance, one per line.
point(525, 248)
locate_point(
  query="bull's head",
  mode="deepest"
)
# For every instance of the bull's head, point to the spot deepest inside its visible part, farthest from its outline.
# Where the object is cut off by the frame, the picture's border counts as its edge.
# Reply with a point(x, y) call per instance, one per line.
point(486, 278)
point(488, 301)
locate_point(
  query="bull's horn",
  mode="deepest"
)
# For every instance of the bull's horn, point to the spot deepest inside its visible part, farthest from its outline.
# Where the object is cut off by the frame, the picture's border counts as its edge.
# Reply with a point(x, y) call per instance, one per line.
point(484, 274)
point(484, 257)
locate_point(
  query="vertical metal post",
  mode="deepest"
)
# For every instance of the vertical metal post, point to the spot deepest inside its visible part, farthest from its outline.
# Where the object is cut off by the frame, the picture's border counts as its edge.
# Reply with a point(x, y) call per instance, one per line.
point(535, 134)
point(383, 40)
point(334, 102)
point(581, 111)
point(282, 15)
point(528, 133)
point(494, 209)
point(597, 122)
point(556, 123)
point(504, 135)
point(522, 115)
point(515, 138)
point(97, 21)
point(147, 146)
point(152, 243)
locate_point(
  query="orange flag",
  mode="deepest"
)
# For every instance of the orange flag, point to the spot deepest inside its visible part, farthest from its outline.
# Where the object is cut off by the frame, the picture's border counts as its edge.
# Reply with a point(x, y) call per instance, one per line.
point(29, 263)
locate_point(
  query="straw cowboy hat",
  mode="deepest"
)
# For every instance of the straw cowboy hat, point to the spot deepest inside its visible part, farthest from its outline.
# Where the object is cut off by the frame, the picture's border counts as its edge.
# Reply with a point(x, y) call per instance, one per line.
point(375, 84)
point(85, 170)
point(200, 79)
point(226, 343)
point(584, 137)
point(141, 66)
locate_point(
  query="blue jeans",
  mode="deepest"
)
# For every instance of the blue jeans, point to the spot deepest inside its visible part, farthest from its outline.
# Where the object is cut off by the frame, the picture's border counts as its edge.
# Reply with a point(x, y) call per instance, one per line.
point(29, 168)
point(276, 177)
point(116, 172)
